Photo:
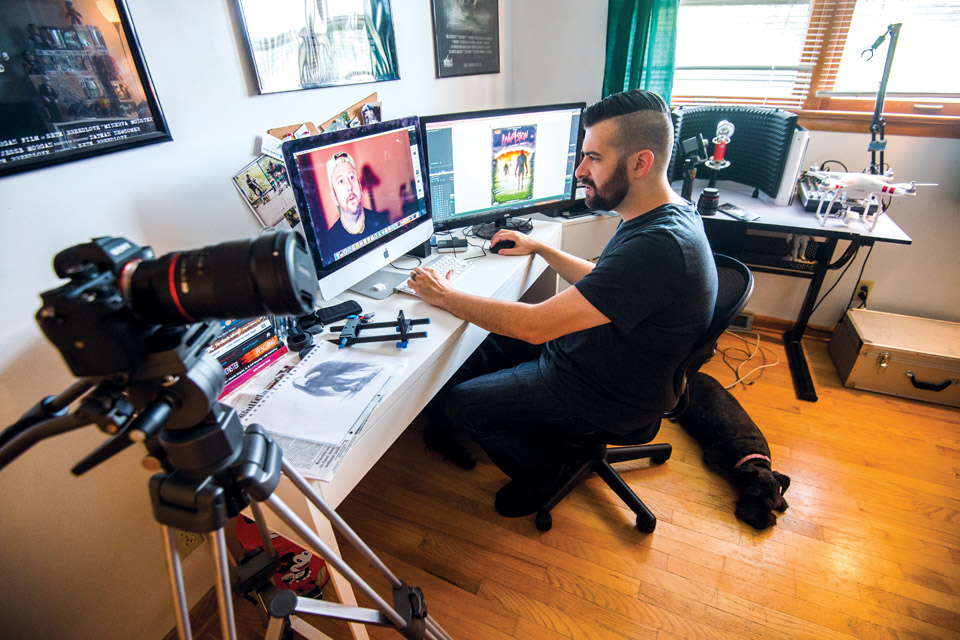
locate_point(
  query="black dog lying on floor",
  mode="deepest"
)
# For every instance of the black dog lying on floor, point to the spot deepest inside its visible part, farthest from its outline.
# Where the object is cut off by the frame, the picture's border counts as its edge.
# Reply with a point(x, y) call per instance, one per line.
point(734, 447)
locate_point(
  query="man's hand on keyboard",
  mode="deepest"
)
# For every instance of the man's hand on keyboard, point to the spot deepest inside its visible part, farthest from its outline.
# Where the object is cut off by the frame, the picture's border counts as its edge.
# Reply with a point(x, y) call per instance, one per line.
point(430, 285)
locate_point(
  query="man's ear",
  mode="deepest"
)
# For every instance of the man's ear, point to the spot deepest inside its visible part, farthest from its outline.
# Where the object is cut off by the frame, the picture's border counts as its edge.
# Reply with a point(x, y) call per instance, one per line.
point(641, 163)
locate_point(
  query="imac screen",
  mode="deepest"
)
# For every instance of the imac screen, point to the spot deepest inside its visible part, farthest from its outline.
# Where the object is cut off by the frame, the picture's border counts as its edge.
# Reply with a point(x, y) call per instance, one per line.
point(485, 166)
point(362, 198)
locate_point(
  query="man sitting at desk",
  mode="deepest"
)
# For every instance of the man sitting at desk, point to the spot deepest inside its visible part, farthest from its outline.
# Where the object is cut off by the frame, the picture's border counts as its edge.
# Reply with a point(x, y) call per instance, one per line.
point(599, 356)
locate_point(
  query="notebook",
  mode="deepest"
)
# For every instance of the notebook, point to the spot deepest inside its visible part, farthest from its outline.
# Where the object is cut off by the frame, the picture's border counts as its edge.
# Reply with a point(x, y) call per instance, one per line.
point(326, 395)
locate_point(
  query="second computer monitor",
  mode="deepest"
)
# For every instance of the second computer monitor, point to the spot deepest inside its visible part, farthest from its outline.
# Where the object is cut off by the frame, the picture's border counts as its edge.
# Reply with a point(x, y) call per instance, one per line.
point(487, 166)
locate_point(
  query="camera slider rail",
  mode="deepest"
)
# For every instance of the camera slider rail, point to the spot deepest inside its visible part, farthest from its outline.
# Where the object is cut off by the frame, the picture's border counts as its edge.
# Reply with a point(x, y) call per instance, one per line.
point(350, 332)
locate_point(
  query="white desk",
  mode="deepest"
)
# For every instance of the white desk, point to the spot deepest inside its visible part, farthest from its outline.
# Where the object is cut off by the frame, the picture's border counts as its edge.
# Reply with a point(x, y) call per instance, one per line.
point(729, 236)
point(429, 364)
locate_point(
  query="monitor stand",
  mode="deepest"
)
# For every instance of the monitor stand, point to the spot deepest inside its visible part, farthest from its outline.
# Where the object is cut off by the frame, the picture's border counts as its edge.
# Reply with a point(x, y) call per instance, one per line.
point(486, 231)
point(380, 284)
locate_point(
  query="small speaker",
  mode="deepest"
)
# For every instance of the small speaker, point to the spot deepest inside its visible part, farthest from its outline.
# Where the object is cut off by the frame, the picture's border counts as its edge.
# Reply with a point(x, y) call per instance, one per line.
point(421, 251)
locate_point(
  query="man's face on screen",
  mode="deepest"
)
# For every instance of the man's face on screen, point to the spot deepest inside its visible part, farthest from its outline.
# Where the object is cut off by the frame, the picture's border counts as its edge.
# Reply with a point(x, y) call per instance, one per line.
point(346, 188)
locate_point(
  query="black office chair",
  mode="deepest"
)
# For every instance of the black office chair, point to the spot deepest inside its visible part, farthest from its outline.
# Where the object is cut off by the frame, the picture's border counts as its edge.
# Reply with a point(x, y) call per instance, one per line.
point(735, 286)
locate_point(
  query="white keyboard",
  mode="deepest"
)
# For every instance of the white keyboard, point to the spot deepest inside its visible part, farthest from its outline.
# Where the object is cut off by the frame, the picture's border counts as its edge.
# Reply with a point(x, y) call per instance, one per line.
point(442, 265)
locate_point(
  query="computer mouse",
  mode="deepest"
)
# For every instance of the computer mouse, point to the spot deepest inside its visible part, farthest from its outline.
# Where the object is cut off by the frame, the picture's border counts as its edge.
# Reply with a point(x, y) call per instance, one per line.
point(502, 244)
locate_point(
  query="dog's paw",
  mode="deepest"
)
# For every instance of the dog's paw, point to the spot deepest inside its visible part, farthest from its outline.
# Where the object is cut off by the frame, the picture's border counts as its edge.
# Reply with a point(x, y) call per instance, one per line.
point(756, 515)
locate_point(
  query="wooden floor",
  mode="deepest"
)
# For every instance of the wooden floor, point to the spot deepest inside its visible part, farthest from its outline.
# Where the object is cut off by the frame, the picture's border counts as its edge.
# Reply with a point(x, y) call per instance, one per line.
point(869, 548)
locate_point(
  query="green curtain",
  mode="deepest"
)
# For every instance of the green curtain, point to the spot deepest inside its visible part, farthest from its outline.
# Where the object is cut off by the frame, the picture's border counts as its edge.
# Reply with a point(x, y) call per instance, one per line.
point(641, 44)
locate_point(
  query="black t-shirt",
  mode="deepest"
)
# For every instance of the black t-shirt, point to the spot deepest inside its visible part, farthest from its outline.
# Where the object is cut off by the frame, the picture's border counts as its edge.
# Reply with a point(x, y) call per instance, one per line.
point(337, 238)
point(657, 283)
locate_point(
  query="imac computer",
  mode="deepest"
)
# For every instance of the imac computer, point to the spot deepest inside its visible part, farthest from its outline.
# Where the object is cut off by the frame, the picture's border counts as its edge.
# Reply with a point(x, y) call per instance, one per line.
point(487, 166)
point(362, 200)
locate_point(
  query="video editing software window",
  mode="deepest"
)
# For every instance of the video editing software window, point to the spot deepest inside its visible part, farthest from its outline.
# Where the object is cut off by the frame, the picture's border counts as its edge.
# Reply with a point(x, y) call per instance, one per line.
point(490, 164)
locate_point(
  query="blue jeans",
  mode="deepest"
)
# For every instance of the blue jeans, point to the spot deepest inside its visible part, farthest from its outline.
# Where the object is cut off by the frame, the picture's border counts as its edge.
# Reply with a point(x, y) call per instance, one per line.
point(499, 399)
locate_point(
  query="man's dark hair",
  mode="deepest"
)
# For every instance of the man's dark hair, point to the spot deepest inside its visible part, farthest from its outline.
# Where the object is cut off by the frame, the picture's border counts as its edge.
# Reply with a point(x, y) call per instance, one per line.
point(643, 122)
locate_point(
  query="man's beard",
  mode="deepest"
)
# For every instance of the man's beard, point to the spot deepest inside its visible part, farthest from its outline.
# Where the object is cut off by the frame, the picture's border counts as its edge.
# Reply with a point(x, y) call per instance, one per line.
point(610, 194)
point(346, 209)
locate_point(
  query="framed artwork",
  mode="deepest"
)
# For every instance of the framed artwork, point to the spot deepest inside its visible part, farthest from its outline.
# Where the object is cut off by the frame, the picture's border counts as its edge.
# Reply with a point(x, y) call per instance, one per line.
point(295, 44)
point(466, 37)
point(76, 86)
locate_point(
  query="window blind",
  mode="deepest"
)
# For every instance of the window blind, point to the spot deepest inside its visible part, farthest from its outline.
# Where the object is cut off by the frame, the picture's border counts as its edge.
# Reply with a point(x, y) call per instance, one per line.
point(927, 40)
point(754, 52)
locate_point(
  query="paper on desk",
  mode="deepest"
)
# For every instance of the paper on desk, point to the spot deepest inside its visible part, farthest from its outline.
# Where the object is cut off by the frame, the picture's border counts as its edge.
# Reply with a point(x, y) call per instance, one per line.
point(265, 400)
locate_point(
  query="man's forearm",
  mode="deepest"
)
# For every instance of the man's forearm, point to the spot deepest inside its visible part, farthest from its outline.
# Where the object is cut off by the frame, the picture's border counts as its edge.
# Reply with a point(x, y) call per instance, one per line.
point(497, 316)
point(567, 266)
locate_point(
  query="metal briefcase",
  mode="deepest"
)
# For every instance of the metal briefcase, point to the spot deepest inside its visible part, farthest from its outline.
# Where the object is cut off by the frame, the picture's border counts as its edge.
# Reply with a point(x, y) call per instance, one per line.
point(900, 355)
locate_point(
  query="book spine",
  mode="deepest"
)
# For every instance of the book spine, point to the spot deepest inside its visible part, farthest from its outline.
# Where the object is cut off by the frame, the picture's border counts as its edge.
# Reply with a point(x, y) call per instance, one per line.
point(270, 352)
point(229, 341)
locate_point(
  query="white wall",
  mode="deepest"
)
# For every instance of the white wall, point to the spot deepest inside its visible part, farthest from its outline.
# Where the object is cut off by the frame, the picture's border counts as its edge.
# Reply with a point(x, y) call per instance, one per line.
point(917, 279)
point(81, 557)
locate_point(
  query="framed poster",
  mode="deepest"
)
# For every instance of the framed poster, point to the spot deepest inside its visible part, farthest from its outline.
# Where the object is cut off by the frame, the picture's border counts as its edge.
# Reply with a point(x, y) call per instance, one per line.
point(306, 45)
point(75, 84)
point(466, 37)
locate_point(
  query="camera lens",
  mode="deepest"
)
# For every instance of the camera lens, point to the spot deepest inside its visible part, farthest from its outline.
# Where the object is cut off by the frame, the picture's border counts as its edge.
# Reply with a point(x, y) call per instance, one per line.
point(709, 201)
point(273, 274)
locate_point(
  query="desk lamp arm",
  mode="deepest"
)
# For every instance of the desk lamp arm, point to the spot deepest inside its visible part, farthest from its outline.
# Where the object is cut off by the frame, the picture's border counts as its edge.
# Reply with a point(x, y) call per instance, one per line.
point(878, 143)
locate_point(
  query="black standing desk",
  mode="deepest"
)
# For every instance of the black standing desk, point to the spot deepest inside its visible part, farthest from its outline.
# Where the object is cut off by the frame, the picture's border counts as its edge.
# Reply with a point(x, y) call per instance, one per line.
point(766, 245)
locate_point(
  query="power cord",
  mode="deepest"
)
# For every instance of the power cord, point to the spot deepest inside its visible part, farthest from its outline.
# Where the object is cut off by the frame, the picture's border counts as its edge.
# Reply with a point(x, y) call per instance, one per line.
point(840, 277)
point(857, 294)
point(746, 356)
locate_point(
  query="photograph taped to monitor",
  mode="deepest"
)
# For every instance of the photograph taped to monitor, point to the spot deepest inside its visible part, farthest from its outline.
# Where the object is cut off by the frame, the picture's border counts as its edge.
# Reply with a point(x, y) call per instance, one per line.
point(76, 84)
point(363, 187)
point(265, 187)
point(513, 151)
point(305, 45)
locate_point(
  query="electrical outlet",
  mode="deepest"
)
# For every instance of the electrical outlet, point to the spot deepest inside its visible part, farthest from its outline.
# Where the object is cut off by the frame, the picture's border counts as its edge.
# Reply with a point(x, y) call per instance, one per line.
point(187, 541)
point(864, 287)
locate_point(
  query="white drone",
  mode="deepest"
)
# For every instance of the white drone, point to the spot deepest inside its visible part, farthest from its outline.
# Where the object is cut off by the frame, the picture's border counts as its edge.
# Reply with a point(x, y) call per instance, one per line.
point(863, 190)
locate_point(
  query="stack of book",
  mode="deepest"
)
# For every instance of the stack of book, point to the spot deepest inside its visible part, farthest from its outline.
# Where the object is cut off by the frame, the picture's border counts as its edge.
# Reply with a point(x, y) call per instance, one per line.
point(246, 348)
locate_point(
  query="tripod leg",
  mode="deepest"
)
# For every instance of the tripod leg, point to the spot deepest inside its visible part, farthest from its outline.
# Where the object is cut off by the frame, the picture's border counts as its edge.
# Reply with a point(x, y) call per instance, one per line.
point(176, 583)
point(262, 529)
point(228, 627)
point(320, 547)
point(317, 502)
point(293, 496)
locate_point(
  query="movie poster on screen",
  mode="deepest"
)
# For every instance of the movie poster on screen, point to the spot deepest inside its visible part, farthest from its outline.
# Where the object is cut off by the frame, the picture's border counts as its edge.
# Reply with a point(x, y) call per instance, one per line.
point(466, 37)
point(513, 170)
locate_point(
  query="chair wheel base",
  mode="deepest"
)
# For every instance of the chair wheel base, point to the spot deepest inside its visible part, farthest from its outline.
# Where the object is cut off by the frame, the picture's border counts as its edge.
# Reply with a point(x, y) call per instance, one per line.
point(660, 459)
point(646, 526)
point(544, 521)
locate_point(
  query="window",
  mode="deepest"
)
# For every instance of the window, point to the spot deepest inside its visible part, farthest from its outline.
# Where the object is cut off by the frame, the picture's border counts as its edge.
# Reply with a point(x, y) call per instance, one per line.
point(805, 56)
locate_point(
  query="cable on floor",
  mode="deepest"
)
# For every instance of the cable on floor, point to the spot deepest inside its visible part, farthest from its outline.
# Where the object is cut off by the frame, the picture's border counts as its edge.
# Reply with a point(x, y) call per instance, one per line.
point(745, 356)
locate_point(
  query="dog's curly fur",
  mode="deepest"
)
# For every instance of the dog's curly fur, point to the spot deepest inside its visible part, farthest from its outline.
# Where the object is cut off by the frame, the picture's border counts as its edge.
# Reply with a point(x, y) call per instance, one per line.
point(726, 434)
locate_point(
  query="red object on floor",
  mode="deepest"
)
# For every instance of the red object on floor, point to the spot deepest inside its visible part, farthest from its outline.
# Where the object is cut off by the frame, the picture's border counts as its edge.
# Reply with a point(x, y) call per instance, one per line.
point(300, 569)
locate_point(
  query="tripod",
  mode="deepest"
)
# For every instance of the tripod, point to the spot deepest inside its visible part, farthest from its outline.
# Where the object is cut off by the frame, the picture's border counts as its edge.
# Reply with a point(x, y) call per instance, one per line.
point(213, 468)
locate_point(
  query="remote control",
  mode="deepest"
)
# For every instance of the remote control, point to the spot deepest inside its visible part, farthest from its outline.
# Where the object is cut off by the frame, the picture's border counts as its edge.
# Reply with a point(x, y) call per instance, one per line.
point(734, 211)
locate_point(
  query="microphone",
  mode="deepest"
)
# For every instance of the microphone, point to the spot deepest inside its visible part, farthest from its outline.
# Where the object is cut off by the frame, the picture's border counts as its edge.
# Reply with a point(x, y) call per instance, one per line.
point(725, 131)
